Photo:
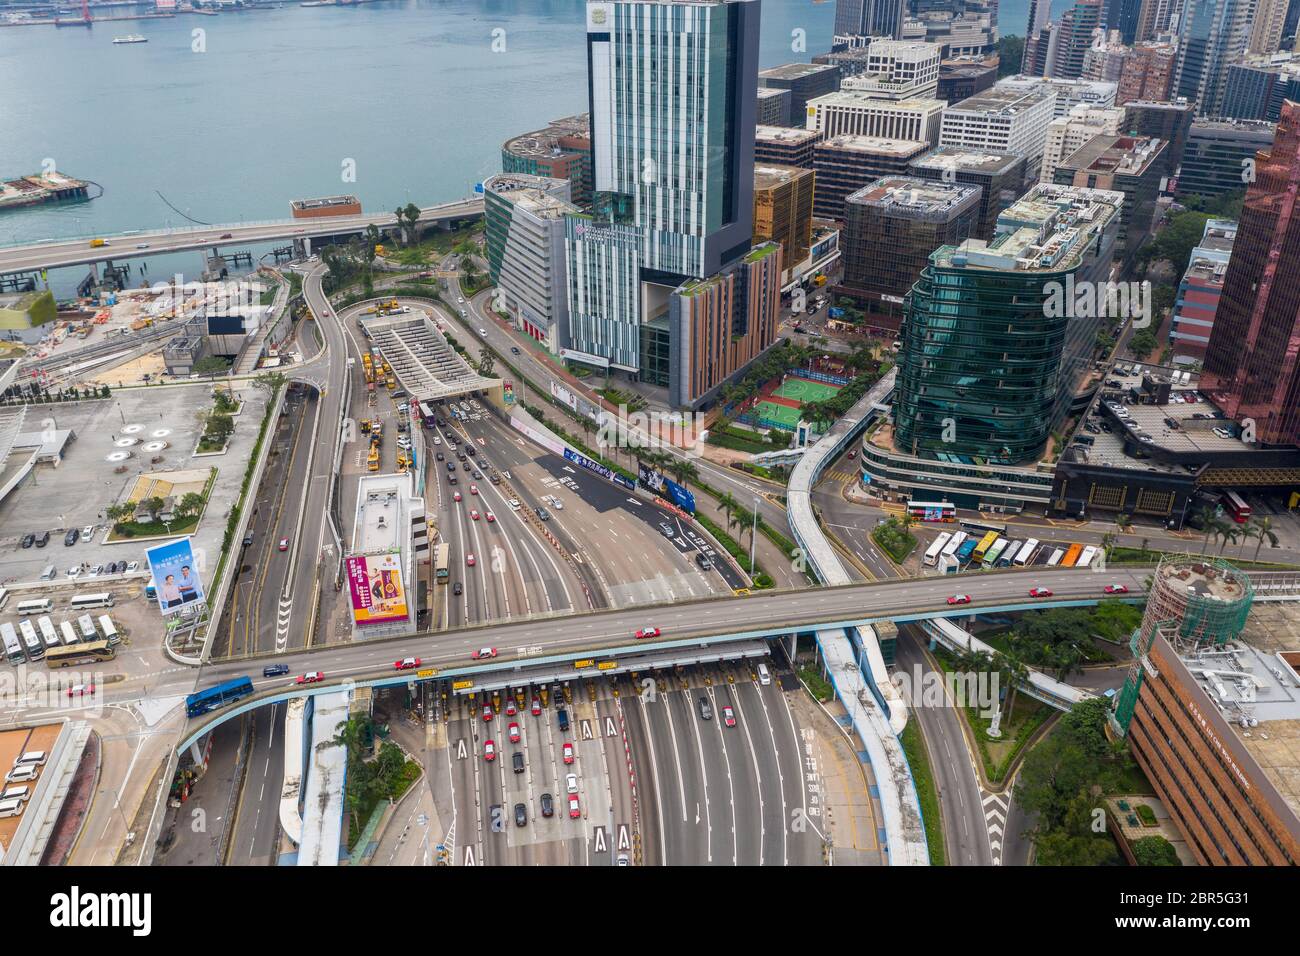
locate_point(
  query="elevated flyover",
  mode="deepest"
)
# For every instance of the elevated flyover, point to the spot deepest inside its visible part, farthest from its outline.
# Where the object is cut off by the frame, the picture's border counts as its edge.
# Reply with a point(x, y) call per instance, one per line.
point(52, 254)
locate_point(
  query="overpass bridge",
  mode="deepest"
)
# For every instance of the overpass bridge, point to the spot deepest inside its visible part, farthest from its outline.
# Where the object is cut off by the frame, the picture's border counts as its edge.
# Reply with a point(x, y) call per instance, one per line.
point(57, 253)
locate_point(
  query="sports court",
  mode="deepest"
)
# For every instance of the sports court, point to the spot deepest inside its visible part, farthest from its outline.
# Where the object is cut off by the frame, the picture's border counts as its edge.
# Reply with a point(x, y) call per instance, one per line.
point(805, 390)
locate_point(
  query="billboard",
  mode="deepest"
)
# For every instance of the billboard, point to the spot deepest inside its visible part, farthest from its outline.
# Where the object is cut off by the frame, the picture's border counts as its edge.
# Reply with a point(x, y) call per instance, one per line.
point(606, 473)
point(375, 587)
point(175, 575)
point(667, 488)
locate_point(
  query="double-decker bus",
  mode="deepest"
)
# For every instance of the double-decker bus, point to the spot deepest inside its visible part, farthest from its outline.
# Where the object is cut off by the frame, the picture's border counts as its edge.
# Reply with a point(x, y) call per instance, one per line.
point(1026, 552)
point(441, 562)
point(88, 653)
point(994, 552)
point(982, 549)
point(227, 692)
point(13, 647)
point(936, 548)
point(1236, 506)
point(1072, 556)
point(1086, 557)
point(932, 510)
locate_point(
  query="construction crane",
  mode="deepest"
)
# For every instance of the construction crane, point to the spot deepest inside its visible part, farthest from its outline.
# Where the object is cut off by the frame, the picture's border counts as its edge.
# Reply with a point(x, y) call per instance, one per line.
point(84, 20)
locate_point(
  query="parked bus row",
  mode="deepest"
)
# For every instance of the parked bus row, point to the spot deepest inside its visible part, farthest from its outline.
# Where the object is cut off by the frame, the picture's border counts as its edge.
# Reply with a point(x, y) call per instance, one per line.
point(982, 547)
point(71, 642)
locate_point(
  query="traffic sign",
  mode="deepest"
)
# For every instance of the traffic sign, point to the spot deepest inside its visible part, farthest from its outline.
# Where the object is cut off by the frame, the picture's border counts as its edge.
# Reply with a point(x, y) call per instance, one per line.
point(462, 685)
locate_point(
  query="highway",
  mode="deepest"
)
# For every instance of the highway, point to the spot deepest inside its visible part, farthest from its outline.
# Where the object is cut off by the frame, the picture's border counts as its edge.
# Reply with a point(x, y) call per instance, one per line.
point(73, 252)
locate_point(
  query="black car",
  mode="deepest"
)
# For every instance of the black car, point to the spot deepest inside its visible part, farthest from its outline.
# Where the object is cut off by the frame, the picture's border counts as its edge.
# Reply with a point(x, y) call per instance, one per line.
point(460, 457)
point(478, 476)
point(451, 466)
point(70, 538)
point(521, 815)
point(514, 350)
point(42, 539)
point(275, 670)
point(248, 539)
point(517, 761)
point(451, 480)
point(466, 466)
point(495, 479)
point(471, 450)
point(441, 456)
point(457, 588)
point(543, 514)
point(548, 805)
point(703, 561)
point(29, 539)
point(706, 709)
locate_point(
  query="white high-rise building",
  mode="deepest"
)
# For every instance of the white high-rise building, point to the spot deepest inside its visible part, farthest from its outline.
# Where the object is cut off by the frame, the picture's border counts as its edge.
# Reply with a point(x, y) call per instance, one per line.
point(897, 70)
point(861, 113)
point(1069, 133)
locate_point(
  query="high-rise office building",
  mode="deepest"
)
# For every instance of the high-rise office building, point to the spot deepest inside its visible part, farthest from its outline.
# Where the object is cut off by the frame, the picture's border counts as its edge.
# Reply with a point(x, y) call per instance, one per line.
point(961, 27)
point(785, 146)
point(524, 244)
point(1122, 16)
point(1211, 35)
point(1220, 155)
point(1252, 364)
point(1200, 291)
point(1266, 30)
point(1070, 133)
point(1257, 87)
point(1069, 93)
point(960, 79)
point(869, 18)
point(892, 226)
point(1077, 24)
point(560, 151)
point(804, 81)
point(845, 164)
point(1127, 165)
point(1171, 122)
point(783, 208)
point(1000, 176)
point(897, 70)
point(1157, 17)
point(1035, 58)
point(1105, 58)
point(665, 283)
point(1002, 120)
point(859, 113)
point(773, 107)
point(988, 367)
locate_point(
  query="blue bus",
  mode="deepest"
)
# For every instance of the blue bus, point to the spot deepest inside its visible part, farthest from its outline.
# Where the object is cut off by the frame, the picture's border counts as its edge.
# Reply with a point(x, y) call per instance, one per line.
point(203, 701)
point(967, 549)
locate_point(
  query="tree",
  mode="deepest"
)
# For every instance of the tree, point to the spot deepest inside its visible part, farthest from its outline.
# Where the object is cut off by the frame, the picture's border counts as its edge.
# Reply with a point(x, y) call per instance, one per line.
point(728, 504)
point(1206, 516)
point(220, 427)
point(485, 362)
point(1155, 851)
point(1124, 522)
point(270, 382)
point(1264, 529)
point(119, 512)
point(191, 503)
point(1011, 50)
point(1142, 343)
point(153, 505)
point(211, 366)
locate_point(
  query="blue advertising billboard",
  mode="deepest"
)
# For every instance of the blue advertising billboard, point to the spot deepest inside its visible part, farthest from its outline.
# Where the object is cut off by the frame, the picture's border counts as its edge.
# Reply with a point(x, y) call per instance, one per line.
point(175, 575)
point(584, 462)
point(667, 488)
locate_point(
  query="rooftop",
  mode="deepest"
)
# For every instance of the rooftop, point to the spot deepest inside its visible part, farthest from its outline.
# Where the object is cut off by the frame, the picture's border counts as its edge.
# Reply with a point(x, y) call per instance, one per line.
point(868, 99)
point(875, 145)
point(1004, 100)
point(325, 203)
point(1120, 155)
point(537, 194)
point(964, 158)
point(767, 176)
point(1047, 230)
point(916, 197)
point(546, 142)
point(785, 134)
point(793, 71)
point(383, 503)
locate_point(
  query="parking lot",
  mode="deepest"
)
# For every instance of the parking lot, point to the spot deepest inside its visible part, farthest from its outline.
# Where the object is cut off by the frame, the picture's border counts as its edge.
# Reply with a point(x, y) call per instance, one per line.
point(76, 492)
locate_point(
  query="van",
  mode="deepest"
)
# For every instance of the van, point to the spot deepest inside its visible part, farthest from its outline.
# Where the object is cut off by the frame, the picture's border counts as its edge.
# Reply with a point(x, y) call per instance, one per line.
point(19, 792)
point(275, 670)
point(563, 716)
point(22, 774)
point(10, 808)
point(764, 675)
point(35, 758)
point(49, 573)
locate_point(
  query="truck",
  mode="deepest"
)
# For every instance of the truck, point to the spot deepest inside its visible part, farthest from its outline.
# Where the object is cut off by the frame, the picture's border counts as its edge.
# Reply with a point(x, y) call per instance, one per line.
point(364, 425)
point(391, 381)
point(372, 460)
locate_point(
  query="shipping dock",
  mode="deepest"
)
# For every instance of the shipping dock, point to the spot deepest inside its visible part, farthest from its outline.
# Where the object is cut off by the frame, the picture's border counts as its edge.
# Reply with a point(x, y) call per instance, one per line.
point(44, 188)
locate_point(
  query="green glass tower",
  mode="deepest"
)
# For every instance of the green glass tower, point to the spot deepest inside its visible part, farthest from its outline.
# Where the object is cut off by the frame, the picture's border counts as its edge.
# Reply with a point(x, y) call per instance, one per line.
point(995, 343)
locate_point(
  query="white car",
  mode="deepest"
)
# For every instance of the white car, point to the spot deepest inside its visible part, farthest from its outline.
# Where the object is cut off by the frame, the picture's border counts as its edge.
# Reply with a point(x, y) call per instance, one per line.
point(403, 443)
point(460, 300)
point(514, 504)
point(571, 782)
point(133, 567)
point(483, 332)
point(96, 571)
point(74, 572)
point(87, 532)
point(437, 440)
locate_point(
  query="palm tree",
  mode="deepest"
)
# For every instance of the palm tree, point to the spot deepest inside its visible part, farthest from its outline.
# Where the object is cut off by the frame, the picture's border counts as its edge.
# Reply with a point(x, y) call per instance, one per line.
point(1207, 517)
point(728, 504)
point(1246, 532)
point(1228, 533)
point(1124, 522)
point(1107, 542)
point(1264, 529)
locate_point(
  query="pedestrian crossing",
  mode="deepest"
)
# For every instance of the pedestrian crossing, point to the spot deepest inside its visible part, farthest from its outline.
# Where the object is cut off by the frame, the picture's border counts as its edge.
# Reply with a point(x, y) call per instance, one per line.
point(839, 474)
